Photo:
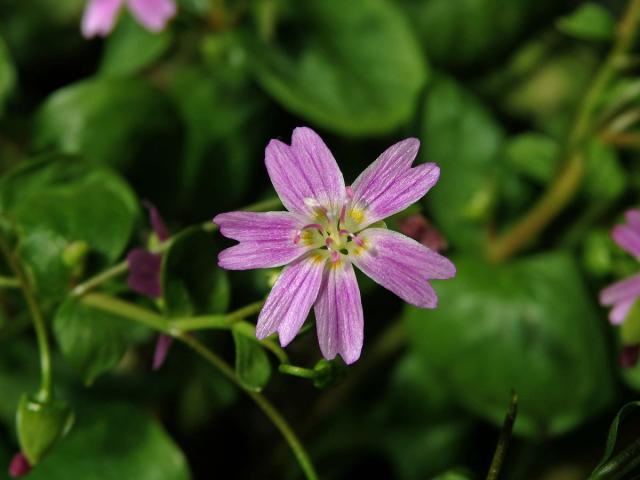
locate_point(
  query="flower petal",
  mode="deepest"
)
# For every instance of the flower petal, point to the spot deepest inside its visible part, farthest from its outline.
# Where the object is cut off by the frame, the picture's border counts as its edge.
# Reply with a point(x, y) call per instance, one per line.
point(338, 310)
point(291, 298)
point(619, 312)
point(99, 17)
point(626, 289)
point(163, 344)
point(633, 219)
point(144, 272)
point(153, 14)
point(401, 265)
point(627, 238)
point(268, 239)
point(389, 185)
point(305, 174)
point(156, 221)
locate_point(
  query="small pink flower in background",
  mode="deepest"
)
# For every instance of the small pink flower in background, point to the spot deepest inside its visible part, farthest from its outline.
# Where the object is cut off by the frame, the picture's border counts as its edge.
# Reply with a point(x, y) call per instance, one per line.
point(622, 295)
point(100, 15)
point(420, 229)
point(19, 466)
point(327, 229)
point(144, 277)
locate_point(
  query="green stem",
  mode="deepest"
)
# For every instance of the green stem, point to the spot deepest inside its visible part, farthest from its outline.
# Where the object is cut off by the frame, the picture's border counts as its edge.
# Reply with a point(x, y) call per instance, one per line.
point(298, 371)
point(566, 184)
point(159, 323)
point(122, 267)
point(9, 282)
point(619, 466)
point(503, 441)
point(46, 382)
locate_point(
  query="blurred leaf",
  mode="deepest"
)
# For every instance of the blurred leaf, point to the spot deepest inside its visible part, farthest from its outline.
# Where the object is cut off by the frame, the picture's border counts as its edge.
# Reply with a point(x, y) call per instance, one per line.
point(40, 425)
point(93, 341)
point(462, 137)
point(131, 48)
point(590, 21)
point(252, 363)
point(124, 123)
point(452, 475)
point(533, 155)
point(355, 68)
point(604, 179)
point(503, 327)
point(56, 200)
point(469, 32)
point(191, 281)
point(114, 442)
point(7, 74)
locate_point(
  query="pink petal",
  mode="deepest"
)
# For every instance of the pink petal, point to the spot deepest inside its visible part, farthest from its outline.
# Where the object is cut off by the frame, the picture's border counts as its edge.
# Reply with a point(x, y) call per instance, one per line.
point(389, 185)
point(305, 174)
point(163, 344)
point(619, 312)
point(153, 14)
point(157, 222)
point(19, 466)
point(633, 219)
point(627, 289)
point(291, 299)
point(401, 265)
point(627, 238)
point(266, 239)
point(144, 272)
point(100, 17)
point(338, 312)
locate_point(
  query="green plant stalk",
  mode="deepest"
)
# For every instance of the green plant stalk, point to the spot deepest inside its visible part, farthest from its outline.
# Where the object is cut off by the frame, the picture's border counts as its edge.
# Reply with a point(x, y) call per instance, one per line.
point(122, 267)
point(566, 183)
point(619, 466)
point(503, 440)
point(9, 282)
point(157, 322)
point(46, 381)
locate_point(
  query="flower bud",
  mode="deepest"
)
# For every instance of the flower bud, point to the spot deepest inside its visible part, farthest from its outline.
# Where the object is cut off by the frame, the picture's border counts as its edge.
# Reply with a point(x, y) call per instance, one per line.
point(40, 424)
point(19, 466)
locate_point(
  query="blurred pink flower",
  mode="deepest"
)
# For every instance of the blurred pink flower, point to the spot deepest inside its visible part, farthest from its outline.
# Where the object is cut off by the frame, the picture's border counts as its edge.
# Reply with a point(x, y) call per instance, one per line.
point(623, 294)
point(100, 15)
point(19, 466)
point(420, 229)
point(327, 229)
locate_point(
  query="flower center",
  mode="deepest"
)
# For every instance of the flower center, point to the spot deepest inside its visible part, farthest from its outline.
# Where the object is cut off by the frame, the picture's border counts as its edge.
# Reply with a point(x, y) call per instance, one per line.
point(329, 234)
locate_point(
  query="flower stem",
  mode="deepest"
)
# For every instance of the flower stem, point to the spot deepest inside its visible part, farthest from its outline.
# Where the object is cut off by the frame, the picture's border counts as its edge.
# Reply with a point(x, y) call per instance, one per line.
point(503, 441)
point(46, 382)
point(9, 282)
point(122, 267)
point(159, 323)
point(566, 184)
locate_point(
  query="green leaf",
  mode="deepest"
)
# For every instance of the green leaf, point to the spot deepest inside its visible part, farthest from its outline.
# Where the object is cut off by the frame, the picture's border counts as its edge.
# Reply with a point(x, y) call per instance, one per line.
point(463, 33)
point(131, 48)
point(356, 67)
point(453, 475)
point(7, 74)
point(56, 201)
point(503, 327)
point(465, 140)
point(590, 21)
point(93, 341)
point(40, 425)
point(533, 155)
point(114, 441)
point(252, 363)
point(604, 179)
point(191, 282)
point(123, 123)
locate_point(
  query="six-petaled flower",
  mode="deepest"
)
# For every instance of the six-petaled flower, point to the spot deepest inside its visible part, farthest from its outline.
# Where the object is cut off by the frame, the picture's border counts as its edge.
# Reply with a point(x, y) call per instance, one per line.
point(327, 229)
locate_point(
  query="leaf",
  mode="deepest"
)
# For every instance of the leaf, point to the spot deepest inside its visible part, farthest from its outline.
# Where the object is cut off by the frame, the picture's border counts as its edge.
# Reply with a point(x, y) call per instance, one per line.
point(123, 123)
point(56, 200)
point(7, 75)
point(612, 437)
point(252, 363)
point(191, 281)
point(590, 21)
point(465, 33)
point(130, 48)
point(92, 341)
point(504, 327)
point(356, 68)
point(604, 179)
point(533, 155)
point(465, 193)
point(114, 441)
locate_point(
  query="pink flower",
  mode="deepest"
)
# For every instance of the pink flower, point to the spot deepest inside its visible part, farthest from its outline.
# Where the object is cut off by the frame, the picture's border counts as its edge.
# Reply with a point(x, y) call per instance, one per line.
point(20, 466)
point(623, 294)
point(100, 15)
point(329, 228)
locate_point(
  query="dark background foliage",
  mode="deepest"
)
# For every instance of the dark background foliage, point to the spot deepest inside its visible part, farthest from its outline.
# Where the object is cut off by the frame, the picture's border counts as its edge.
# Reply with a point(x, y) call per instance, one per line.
point(88, 129)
